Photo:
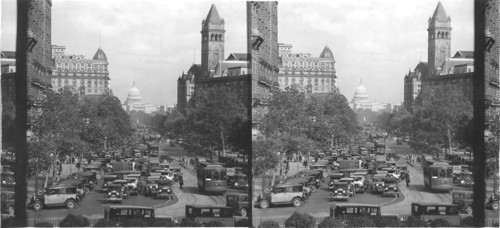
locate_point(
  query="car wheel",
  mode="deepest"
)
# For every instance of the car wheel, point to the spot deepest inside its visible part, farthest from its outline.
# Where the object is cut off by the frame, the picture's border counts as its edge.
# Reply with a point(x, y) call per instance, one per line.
point(37, 206)
point(297, 202)
point(9, 181)
point(468, 182)
point(325, 174)
point(70, 204)
point(98, 176)
point(10, 209)
point(494, 206)
point(264, 204)
point(243, 212)
point(468, 209)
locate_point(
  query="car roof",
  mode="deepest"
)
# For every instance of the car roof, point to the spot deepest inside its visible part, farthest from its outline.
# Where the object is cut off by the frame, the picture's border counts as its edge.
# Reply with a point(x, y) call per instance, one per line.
point(434, 204)
point(236, 193)
point(352, 205)
point(109, 176)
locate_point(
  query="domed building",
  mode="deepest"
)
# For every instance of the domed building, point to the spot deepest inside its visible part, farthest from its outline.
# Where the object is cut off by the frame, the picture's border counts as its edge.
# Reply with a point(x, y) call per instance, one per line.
point(361, 100)
point(134, 102)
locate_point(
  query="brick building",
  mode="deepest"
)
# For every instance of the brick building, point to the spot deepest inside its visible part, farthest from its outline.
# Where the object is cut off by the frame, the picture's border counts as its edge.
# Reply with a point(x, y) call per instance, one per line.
point(441, 68)
point(214, 69)
point(492, 50)
point(39, 59)
point(262, 26)
point(83, 76)
point(306, 73)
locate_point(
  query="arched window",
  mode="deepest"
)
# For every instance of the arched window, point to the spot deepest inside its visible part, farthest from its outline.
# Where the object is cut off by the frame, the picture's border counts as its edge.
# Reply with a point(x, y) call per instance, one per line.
point(439, 35)
point(212, 37)
point(447, 35)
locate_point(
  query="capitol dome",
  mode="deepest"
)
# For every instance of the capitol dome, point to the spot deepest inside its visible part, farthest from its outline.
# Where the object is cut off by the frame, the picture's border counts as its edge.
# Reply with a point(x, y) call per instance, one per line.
point(134, 96)
point(361, 93)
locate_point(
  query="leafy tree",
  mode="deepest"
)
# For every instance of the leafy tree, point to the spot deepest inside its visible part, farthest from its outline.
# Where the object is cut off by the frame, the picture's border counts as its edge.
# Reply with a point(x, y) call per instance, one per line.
point(302, 220)
point(265, 154)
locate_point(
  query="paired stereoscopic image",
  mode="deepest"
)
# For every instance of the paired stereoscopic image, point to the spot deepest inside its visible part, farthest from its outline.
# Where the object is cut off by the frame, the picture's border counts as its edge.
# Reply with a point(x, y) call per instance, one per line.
point(143, 113)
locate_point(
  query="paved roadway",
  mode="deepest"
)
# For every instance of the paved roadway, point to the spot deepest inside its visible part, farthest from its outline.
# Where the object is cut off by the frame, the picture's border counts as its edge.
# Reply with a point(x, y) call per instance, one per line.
point(93, 203)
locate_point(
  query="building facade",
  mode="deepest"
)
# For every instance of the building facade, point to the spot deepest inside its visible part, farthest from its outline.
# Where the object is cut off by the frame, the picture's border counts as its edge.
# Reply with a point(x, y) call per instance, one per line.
point(492, 51)
point(81, 75)
point(185, 86)
point(441, 67)
point(39, 58)
point(262, 25)
point(134, 103)
point(307, 73)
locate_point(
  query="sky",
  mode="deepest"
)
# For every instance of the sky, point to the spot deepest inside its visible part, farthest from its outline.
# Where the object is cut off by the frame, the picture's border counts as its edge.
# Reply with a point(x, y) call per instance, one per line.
point(152, 42)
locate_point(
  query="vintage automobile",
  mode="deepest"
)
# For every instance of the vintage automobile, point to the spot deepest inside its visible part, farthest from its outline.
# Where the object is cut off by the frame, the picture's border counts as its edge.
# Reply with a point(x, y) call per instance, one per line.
point(492, 202)
point(340, 191)
point(378, 184)
point(165, 190)
point(151, 187)
point(359, 183)
point(333, 177)
point(8, 179)
point(80, 187)
point(57, 195)
point(317, 174)
point(124, 184)
point(133, 183)
point(350, 188)
point(8, 203)
point(94, 167)
point(237, 181)
point(165, 174)
point(107, 179)
point(323, 166)
point(116, 193)
point(176, 169)
point(392, 172)
point(464, 179)
point(287, 193)
point(239, 201)
point(90, 176)
point(463, 199)
point(305, 182)
point(391, 187)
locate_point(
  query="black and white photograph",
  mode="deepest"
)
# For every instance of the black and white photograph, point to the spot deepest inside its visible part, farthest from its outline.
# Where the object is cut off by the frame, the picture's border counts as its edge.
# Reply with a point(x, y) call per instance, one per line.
point(289, 113)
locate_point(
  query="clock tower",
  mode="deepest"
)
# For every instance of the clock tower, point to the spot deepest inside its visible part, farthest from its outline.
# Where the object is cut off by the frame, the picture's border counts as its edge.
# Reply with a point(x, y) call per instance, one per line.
point(439, 39)
point(212, 41)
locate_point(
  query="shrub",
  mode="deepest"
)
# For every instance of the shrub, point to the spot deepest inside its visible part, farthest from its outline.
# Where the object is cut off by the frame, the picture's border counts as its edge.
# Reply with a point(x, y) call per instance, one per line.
point(133, 223)
point(415, 222)
point(388, 222)
point(270, 224)
point(72, 220)
point(44, 224)
point(300, 220)
point(105, 223)
point(361, 222)
point(187, 222)
point(243, 223)
point(440, 223)
point(330, 222)
point(9, 222)
point(215, 223)
point(467, 222)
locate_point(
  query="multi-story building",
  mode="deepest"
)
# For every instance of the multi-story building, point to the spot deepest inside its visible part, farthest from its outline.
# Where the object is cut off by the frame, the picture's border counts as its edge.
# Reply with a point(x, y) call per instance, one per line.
point(307, 73)
point(83, 76)
point(39, 57)
point(214, 70)
point(492, 51)
point(441, 68)
point(262, 25)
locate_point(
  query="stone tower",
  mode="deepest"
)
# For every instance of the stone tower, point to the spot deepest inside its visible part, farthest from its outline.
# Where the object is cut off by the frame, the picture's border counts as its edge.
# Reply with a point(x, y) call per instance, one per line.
point(439, 39)
point(212, 41)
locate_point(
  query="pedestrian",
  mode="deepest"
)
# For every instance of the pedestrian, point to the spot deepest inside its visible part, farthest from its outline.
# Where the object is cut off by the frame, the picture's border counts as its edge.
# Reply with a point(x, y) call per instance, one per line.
point(305, 163)
point(300, 157)
point(287, 167)
point(78, 165)
point(181, 180)
point(407, 178)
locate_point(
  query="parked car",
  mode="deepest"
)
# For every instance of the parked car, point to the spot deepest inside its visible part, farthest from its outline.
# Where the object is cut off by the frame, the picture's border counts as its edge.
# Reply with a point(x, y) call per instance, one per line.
point(359, 184)
point(8, 179)
point(151, 187)
point(350, 188)
point(464, 200)
point(492, 202)
point(58, 195)
point(288, 193)
point(8, 203)
point(378, 185)
point(239, 201)
point(237, 181)
point(391, 187)
point(107, 180)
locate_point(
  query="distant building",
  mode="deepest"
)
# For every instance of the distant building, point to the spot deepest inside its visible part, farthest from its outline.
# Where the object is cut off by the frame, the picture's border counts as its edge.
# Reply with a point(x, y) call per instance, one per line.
point(214, 70)
point(306, 73)
point(441, 68)
point(134, 103)
point(83, 76)
point(362, 101)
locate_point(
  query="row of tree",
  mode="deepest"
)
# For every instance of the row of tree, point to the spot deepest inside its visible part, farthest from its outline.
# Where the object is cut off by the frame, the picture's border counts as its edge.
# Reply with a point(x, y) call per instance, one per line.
point(298, 124)
point(441, 117)
point(67, 124)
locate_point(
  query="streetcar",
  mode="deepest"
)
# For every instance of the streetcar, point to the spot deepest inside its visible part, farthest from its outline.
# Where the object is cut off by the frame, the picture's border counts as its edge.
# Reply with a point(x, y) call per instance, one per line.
point(432, 211)
point(212, 177)
point(438, 175)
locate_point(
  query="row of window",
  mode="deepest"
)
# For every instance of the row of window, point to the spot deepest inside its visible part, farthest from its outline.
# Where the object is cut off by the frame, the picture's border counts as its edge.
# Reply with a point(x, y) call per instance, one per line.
point(308, 64)
point(89, 90)
point(81, 66)
point(301, 81)
point(310, 88)
point(74, 82)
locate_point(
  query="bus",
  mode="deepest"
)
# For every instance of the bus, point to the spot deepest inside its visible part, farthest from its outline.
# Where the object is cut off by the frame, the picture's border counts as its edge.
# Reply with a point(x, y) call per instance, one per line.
point(123, 214)
point(432, 211)
point(348, 211)
point(438, 175)
point(207, 213)
point(212, 177)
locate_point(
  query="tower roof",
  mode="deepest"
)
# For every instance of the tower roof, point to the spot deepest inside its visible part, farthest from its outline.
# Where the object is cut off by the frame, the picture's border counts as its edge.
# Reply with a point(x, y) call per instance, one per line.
point(439, 13)
point(100, 55)
point(213, 16)
point(326, 53)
